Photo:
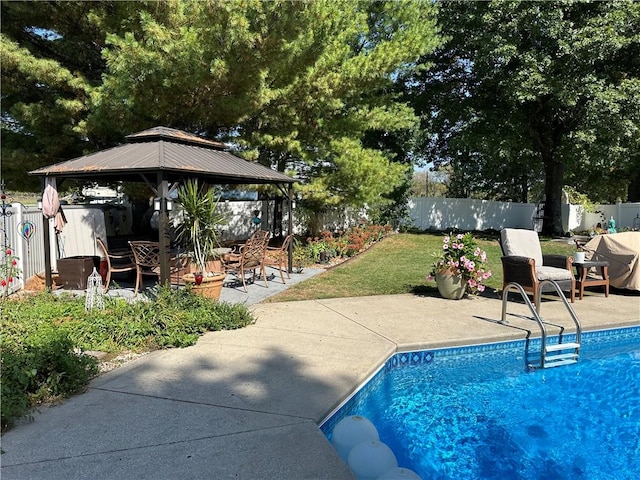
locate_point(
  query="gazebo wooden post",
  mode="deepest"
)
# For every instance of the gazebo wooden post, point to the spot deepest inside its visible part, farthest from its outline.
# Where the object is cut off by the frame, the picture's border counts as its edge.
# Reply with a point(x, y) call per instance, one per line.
point(163, 230)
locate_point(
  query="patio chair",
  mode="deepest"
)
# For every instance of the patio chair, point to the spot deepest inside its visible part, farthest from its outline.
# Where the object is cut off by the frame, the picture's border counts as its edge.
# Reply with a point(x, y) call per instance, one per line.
point(249, 259)
point(279, 257)
point(147, 259)
point(524, 263)
point(117, 262)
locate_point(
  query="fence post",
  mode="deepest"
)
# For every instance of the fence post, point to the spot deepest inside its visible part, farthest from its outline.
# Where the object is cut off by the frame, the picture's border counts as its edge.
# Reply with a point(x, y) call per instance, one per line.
point(18, 247)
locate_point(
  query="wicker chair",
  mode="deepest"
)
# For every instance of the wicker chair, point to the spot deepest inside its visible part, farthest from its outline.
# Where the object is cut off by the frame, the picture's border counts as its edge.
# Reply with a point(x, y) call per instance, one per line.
point(117, 262)
point(524, 263)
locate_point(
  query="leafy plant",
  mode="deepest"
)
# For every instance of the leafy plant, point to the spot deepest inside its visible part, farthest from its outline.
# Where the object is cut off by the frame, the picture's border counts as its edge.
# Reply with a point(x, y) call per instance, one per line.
point(200, 223)
point(342, 244)
point(43, 366)
point(9, 270)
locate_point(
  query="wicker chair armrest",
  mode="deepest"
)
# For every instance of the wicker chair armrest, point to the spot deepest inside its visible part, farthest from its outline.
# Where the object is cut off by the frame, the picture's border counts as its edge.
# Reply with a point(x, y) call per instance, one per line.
point(517, 261)
point(558, 261)
point(520, 270)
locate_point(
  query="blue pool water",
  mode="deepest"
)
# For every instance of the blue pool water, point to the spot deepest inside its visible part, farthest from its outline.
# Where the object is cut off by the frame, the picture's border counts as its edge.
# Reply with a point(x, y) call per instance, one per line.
point(476, 413)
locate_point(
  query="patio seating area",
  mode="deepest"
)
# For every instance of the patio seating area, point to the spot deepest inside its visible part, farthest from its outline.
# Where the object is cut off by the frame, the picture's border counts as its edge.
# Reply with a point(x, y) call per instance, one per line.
point(124, 285)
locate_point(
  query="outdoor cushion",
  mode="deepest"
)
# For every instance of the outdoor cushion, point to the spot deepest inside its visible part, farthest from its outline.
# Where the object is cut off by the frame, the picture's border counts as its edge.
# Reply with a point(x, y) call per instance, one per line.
point(552, 273)
point(521, 243)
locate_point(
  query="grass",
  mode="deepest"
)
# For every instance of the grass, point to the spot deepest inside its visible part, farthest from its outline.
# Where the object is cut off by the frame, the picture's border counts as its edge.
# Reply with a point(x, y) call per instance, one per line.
point(399, 264)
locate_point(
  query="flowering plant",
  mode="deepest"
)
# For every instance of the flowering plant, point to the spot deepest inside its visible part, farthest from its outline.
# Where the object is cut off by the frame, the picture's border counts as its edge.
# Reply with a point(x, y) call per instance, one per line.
point(462, 256)
point(9, 270)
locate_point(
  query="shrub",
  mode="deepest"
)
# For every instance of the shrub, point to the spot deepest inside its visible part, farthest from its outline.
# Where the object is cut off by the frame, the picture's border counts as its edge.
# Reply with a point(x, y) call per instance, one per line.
point(42, 366)
point(340, 244)
point(42, 337)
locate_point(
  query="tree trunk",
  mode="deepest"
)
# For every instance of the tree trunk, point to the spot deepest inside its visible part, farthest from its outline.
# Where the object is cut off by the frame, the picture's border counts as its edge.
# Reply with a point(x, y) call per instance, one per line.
point(633, 191)
point(554, 180)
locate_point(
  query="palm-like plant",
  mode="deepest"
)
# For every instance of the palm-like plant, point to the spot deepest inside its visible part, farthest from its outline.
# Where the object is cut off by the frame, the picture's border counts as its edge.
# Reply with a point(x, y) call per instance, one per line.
point(200, 223)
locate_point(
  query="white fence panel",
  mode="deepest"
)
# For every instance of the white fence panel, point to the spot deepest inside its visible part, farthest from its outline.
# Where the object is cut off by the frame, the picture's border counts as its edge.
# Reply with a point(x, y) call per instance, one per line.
point(624, 215)
point(469, 214)
point(240, 215)
point(28, 250)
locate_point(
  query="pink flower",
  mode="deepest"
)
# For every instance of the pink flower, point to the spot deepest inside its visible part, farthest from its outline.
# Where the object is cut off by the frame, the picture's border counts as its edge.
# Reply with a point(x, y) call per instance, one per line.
point(446, 239)
point(8, 251)
point(481, 288)
point(459, 236)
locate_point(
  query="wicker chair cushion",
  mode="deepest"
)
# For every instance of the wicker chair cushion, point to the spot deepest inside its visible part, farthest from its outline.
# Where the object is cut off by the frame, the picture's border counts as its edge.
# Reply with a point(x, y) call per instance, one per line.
point(522, 243)
point(552, 273)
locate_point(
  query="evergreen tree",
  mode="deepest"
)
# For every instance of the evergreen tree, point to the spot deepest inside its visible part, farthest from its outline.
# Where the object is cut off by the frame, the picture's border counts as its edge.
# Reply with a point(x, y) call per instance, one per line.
point(300, 86)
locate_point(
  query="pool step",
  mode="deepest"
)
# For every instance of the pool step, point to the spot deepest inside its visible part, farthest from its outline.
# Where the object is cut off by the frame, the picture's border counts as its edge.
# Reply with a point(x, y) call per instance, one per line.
point(562, 359)
point(554, 356)
point(561, 346)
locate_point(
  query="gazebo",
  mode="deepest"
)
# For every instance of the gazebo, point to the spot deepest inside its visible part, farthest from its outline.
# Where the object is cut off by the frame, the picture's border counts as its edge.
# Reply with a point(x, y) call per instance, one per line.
point(162, 158)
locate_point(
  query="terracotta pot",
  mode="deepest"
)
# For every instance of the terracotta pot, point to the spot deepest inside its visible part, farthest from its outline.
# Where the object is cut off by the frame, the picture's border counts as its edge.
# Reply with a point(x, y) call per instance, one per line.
point(450, 286)
point(210, 287)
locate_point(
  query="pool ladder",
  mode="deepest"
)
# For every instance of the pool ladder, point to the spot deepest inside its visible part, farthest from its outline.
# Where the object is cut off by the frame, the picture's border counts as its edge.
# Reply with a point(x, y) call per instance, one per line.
point(552, 355)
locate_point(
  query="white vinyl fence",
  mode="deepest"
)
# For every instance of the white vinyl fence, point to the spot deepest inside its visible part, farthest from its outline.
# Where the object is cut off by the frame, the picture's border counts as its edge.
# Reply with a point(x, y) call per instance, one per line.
point(469, 214)
point(86, 222)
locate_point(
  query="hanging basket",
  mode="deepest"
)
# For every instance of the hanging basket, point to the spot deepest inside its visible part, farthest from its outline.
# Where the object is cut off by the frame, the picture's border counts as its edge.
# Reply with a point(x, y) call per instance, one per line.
point(451, 286)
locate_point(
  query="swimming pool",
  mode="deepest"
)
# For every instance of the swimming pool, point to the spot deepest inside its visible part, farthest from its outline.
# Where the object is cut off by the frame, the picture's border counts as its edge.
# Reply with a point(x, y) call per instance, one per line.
point(475, 413)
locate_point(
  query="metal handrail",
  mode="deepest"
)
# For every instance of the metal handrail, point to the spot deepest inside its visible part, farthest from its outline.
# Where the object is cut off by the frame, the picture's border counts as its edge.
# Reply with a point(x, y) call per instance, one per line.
point(567, 305)
point(516, 287)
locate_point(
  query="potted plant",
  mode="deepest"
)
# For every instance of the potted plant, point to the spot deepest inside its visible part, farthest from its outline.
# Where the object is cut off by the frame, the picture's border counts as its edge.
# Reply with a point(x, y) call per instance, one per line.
point(197, 231)
point(460, 267)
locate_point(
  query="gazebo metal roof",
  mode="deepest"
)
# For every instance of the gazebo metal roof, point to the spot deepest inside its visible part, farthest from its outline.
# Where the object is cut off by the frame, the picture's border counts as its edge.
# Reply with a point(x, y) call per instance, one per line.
point(162, 156)
point(174, 153)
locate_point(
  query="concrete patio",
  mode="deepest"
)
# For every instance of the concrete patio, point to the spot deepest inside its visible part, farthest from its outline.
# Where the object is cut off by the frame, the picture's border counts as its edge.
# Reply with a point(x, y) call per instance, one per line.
point(246, 403)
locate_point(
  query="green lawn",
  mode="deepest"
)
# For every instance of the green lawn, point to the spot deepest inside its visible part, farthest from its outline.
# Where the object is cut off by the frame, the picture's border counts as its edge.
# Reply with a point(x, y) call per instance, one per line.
point(398, 264)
